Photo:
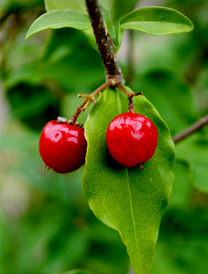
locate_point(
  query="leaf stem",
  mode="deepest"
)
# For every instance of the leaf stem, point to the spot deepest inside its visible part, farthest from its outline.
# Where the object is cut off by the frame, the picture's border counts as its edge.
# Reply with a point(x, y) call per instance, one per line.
point(190, 130)
point(104, 42)
point(89, 98)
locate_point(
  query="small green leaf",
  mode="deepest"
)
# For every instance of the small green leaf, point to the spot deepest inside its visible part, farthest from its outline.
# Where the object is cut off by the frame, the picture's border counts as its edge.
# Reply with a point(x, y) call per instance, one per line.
point(59, 19)
point(128, 200)
point(77, 5)
point(112, 12)
point(123, 7)
point(112, 27)
point(107, 4)
point(157, 21)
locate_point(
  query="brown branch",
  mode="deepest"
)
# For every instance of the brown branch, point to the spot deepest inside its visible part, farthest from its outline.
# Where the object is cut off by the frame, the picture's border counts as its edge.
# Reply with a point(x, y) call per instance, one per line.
point(104, 42)
point(190, 130)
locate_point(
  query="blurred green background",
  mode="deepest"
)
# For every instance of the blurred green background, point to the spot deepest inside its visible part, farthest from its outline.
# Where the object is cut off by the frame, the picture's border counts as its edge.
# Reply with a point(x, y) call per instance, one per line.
point(45, 223)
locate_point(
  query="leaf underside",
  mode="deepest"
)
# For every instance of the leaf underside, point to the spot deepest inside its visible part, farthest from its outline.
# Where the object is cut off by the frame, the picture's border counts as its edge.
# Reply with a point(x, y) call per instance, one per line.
point(129, 200)
point(157, 21)
point(59, 19)
point(78, 5)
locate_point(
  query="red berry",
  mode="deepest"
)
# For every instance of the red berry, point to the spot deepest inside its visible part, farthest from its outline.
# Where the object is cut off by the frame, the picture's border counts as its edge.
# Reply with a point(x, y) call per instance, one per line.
point(131, 139)
point(62, 146)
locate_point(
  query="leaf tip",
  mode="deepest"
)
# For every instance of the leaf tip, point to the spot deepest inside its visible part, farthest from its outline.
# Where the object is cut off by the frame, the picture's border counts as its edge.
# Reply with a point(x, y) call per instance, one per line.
point(27, 35)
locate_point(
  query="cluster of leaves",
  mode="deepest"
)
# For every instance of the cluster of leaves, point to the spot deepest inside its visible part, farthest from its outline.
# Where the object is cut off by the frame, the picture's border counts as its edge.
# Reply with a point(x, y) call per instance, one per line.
point(64, 68)
point(73, 14)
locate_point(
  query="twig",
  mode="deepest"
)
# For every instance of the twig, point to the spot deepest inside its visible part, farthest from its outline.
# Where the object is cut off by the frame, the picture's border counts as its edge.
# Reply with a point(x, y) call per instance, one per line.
point(104, 42)
point(190, 130)
point(87, 101)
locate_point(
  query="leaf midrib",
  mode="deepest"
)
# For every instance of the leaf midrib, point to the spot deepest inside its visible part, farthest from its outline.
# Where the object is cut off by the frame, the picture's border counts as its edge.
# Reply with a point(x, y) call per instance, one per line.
point(132, 217)
point(129, 191)
point(155, 22)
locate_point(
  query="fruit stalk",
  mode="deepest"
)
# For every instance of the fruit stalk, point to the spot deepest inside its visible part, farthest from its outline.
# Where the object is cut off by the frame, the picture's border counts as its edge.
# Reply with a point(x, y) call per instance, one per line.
point(129, 96)
point(87, 101)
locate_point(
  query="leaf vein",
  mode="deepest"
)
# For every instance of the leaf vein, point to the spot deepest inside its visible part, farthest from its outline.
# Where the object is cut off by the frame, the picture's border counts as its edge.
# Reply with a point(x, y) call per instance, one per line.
point(132, 215)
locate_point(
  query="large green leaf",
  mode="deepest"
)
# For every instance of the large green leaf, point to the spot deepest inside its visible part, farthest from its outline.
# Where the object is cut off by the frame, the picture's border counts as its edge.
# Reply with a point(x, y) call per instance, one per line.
point(129, 200)
point(78, 5)
point(59, 19)
point(195, 151)
point(157, 21)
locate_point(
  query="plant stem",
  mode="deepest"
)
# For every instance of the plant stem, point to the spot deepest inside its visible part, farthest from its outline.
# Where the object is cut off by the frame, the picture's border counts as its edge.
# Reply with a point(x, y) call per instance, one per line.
point(87, 101)
point(104, 42)
point(190, 130)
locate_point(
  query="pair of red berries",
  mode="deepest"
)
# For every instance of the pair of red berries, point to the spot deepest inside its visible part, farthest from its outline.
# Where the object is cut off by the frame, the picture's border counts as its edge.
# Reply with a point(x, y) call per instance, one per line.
point(131, 139)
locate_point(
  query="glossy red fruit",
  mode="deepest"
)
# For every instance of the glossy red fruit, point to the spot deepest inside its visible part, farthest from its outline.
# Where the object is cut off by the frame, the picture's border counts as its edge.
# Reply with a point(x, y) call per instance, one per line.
point(131, 139)
point(62, 146)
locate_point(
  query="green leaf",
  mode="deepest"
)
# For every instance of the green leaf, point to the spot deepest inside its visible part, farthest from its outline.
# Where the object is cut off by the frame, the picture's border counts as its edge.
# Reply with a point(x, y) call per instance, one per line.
point(195, 150)
point(112, 27)
point(121, 8)
point(59, 19)
point(112, 12)
point(91, 38)
point(128, 200)
point(157, 21)
point(74, 5)
point(77, 5)
point(107, 4)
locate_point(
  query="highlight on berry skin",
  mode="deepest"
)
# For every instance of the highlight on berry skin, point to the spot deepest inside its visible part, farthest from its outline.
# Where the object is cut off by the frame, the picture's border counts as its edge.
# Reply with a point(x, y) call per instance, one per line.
point(131, 139)
point(62, 146)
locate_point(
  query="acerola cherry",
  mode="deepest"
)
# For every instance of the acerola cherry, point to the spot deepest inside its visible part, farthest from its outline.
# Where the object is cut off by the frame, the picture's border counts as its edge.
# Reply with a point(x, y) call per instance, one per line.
point(131, 139)
point(62, 146)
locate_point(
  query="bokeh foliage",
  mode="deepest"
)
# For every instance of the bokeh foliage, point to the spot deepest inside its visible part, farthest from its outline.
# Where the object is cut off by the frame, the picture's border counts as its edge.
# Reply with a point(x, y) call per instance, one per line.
point(45, 224)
